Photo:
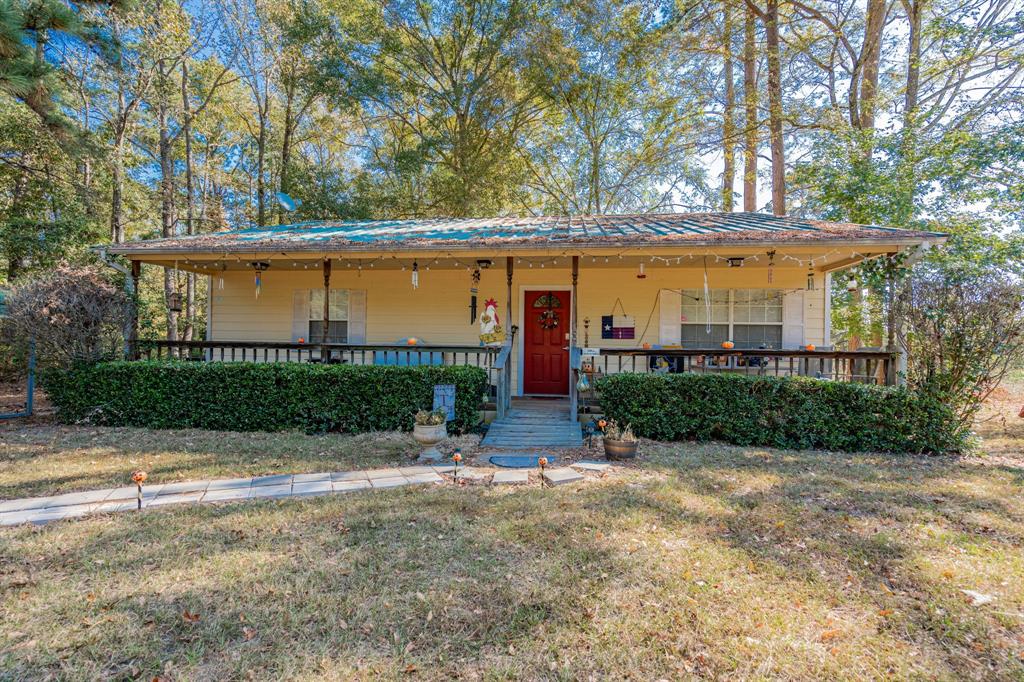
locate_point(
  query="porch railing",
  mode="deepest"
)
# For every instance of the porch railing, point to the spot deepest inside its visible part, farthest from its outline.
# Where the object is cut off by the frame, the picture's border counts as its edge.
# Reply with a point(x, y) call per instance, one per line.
point(873, 367)
point(330, 353)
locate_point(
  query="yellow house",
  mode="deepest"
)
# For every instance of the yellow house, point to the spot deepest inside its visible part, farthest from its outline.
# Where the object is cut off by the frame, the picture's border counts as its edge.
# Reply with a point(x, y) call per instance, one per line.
point(740, 292)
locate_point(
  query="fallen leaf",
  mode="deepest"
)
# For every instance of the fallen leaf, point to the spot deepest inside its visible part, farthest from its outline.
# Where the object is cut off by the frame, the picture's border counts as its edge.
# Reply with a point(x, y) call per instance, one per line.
point(249, 633)
point(885, 612)
point(190, 617)
point(410, 669)
point(829, 635)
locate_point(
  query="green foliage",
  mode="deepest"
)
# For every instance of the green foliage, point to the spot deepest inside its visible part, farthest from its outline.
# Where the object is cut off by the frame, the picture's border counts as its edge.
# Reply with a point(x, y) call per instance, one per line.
point(259, 396)
point(781, 412)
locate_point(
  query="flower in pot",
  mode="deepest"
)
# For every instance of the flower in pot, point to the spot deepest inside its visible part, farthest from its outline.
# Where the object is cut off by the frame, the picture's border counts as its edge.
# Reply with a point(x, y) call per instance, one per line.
point(619, 442)
point(430, 427)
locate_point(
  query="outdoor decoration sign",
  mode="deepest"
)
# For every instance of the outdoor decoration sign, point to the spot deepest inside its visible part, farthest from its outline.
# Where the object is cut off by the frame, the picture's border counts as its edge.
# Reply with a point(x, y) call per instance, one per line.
point(618, 326)
point(491, 332)
point(444, 399)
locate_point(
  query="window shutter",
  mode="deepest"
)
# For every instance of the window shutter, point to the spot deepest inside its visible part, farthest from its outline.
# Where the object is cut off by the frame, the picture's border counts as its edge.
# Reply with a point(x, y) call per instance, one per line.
point(300, 315)
point(671, 307)
point(793, 319)
point(357, 316)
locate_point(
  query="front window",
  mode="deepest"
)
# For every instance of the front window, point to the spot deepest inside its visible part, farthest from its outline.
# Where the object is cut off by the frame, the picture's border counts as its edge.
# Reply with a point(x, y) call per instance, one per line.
point(337, 331)
point(751, 318)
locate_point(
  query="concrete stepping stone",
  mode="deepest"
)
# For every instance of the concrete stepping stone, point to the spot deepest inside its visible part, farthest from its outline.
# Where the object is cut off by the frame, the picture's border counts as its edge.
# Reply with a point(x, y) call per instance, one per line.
point(426, 477)
point(311, 478)
point(13, 518)
point(471, 474)
point(591, 466)
point(131, 492)
point(280, 490)
point(389, 481)
point(562, 476)
point(443, 468)
point(57, 513)
point(510, 477)
point(226, 494)
point(349, 476)
point(415, 471)
point(25, 504)
point(349, 486)
point(177, 498)
point(229, 483)
point(118, 506)
point(274, 479)
point(382, 473)
point(309, 488)
point(184, 487)
point(86, 497)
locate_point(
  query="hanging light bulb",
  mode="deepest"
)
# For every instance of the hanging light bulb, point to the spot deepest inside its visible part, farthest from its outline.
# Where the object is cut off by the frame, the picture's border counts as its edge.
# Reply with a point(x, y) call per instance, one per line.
point(415, 275)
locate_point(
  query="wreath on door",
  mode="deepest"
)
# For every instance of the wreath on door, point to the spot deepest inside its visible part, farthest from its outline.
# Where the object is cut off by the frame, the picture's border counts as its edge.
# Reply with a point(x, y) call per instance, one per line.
point(548, 319)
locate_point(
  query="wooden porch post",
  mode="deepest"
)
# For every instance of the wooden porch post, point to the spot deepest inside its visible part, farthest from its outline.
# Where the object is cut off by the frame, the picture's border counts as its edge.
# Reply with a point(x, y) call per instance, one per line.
point(132, 337)
point(508, 304)
point(327, 310)
point(574, 397)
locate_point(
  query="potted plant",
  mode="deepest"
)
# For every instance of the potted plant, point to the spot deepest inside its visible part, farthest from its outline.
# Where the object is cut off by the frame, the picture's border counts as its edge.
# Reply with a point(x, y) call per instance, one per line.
point(619, 442)
point(430, 427)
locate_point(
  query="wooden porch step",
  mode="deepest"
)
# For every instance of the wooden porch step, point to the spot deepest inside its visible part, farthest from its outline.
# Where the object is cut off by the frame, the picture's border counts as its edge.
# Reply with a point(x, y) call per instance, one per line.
point(509, 434)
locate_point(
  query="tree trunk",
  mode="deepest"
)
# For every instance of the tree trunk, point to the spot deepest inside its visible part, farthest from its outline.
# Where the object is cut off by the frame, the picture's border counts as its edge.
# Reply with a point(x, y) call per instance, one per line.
point(751, 125)
point(166, 202)
point(186, 131)
point(286, 149)
point(775, 108)
point(871, 53)
point(116, 190)
point(728, 115)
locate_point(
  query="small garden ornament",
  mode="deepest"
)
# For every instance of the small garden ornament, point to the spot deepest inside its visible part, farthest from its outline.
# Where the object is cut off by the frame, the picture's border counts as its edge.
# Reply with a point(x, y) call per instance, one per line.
point(457, 457)
point(542, 462)
point(139, 477)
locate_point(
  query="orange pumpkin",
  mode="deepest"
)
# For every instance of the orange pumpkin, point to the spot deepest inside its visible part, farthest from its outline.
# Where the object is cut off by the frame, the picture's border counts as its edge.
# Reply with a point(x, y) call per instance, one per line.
point(728, 345)
point(542, 462)
point(809, 346)
point(411, 341)
point(456, 458)
point(139, 477)
point(647, 346)
point(601, 423)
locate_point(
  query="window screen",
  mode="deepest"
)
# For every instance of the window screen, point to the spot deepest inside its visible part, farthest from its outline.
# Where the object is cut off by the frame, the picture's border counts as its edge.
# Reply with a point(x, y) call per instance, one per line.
point(337, 331)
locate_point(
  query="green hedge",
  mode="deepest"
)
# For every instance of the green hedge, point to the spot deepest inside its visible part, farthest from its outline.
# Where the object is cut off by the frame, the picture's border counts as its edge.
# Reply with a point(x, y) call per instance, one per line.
point(259, 397)
point(780, 412)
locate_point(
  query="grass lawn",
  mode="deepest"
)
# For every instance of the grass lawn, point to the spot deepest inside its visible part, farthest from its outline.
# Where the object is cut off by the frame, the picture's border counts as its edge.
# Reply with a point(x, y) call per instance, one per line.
point(704, 561)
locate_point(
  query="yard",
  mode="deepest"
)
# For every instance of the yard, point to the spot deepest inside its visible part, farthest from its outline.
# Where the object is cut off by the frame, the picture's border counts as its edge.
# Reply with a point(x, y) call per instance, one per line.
point(703, 561)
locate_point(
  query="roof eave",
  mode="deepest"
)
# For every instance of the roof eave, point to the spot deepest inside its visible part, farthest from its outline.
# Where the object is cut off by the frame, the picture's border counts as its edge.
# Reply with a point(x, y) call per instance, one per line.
point(299, 247)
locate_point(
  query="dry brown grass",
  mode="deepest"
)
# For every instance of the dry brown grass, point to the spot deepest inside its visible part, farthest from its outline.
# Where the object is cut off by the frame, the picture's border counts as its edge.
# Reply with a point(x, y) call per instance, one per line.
point(705, 561)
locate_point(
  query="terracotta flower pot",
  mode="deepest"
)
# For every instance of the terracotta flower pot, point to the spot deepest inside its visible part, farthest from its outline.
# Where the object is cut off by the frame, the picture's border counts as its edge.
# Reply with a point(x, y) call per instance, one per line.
point(429, 434)
point(620, 449)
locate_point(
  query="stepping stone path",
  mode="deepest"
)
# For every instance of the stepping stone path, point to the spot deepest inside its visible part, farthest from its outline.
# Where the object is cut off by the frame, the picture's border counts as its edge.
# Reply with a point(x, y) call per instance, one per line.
point(562, 476)
point(40, 510)
point(507, 477)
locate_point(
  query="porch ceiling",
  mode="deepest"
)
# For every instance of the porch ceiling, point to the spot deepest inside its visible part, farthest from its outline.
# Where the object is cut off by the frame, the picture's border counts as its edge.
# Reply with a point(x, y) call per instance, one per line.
point(685, 234)
point(819, 258)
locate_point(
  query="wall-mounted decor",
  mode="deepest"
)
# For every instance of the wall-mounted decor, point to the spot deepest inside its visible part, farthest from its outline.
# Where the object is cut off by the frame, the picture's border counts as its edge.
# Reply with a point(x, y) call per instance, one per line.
point(491, 332)
point(618, 326)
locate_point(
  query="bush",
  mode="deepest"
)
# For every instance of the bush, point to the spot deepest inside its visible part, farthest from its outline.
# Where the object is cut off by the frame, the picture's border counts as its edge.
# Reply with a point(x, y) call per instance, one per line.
point(74, 314)
point(794, 413)
point(259, 397)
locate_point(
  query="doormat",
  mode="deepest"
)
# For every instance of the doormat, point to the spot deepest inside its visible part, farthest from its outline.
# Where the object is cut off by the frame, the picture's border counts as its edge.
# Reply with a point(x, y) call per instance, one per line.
point(519, 461)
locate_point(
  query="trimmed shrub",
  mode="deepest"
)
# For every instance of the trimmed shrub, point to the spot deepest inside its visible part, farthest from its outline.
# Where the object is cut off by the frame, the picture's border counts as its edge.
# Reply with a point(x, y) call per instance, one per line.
point(259, 396)
point(781, 412)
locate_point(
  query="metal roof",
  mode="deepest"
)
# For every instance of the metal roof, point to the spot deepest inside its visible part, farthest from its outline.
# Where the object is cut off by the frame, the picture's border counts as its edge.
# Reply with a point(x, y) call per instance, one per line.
point(534, 232)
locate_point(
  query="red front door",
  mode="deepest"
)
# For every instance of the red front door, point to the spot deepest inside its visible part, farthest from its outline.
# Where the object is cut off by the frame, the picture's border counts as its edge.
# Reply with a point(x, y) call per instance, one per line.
point(545, 352)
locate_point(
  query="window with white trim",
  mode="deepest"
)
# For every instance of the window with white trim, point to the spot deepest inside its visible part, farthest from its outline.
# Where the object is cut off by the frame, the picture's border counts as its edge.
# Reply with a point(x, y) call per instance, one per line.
point(751, 318)
point(337, 331)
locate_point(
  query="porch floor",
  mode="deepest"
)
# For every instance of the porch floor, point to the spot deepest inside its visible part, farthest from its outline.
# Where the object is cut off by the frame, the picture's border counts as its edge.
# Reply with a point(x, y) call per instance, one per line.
point(535, 423)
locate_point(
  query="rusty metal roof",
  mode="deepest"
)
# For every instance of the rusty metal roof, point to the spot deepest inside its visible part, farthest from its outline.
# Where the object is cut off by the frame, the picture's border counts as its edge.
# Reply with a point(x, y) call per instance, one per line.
point(534, 232)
